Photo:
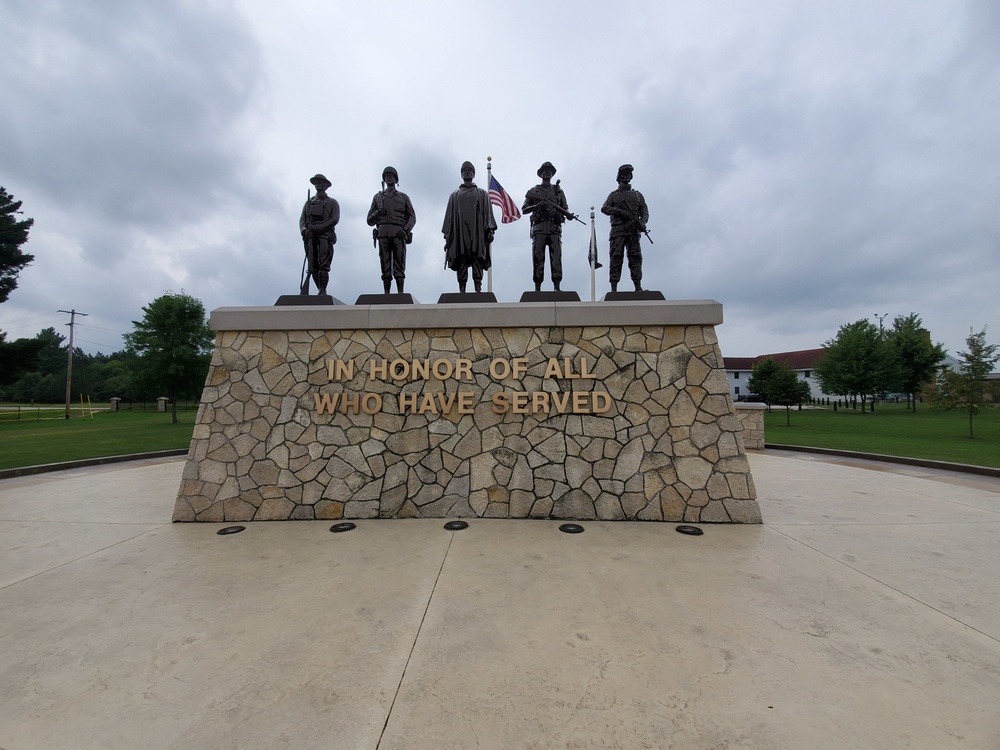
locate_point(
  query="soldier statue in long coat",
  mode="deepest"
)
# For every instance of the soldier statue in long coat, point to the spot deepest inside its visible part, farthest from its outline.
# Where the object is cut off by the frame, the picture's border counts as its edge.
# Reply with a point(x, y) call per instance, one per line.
point(468, 230)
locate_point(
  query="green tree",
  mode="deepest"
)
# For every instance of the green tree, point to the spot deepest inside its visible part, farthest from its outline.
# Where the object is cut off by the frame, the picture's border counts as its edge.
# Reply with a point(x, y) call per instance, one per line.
point(777, 383)
point(761, 375)
point(172, 343)
point(17, 358)
point(43, 378)
point(914, 358)
point(967, 389)
point(110, 375)
point(856, 363)
point(13, 234)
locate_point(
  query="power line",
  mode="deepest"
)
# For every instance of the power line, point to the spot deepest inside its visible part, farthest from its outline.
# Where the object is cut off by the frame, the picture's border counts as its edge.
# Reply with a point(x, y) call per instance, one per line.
point(97, 343)
point(19, 321)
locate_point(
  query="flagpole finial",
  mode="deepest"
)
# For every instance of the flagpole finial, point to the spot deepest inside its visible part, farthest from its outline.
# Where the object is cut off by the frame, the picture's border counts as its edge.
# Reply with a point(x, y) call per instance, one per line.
point(489, 158)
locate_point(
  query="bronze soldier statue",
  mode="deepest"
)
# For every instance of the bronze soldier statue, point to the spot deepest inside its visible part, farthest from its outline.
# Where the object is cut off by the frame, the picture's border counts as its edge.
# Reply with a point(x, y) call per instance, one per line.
point(628, 212)
point(317, 223)
point(468, 230)
point(393, 217)
point(547, 205)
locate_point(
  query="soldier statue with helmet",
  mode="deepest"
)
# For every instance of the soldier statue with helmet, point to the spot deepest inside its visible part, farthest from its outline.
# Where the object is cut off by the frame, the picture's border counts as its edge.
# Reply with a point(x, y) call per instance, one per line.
point(393, 217)
point(629, 214)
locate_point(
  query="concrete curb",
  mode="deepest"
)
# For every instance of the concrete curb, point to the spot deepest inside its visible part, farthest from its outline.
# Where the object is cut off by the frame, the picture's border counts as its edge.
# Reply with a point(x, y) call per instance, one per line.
point(24, 471)
point(986, 471)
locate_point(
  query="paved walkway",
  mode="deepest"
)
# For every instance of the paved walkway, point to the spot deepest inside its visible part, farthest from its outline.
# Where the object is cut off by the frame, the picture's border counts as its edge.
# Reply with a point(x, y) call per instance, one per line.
point(864, 613)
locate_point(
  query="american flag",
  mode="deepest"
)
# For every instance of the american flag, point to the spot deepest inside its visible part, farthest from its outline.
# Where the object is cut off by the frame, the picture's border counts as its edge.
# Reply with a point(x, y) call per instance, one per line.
point(500, 199)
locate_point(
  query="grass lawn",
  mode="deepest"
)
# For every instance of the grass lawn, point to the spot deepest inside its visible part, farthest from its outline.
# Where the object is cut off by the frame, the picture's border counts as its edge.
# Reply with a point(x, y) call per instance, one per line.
point(891, 430)
point(31, 442)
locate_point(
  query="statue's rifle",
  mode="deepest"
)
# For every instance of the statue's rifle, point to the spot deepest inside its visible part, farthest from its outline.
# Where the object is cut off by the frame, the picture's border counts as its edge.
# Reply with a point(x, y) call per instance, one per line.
point(303, 277)
point(565, 212)
point(379, 211)
point(633, 220)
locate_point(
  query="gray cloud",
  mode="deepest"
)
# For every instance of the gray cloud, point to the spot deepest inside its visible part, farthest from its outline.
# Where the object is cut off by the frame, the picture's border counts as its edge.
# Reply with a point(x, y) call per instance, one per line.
point(805, 166)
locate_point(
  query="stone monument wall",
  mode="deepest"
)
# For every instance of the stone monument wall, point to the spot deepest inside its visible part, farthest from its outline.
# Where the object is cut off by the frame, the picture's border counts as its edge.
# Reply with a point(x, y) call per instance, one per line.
point(751, 418)
point(548, 410)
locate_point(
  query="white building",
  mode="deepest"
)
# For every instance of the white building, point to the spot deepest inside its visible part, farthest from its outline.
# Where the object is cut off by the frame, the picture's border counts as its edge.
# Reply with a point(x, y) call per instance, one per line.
point(739, 369)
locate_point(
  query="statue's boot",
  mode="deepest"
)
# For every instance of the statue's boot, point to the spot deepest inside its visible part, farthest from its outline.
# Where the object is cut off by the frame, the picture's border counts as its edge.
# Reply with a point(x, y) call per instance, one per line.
point(387, 286)
point(461, 287)
point(614, 287)
point(538, 287)
point(399, 286)
point(479, 286)
point(638, 286)
point(556, 283)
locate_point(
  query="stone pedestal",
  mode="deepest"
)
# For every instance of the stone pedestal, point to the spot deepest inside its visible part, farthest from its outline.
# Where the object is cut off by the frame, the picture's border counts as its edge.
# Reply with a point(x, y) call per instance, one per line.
point(550, 295)
point(538, 410)
point(298, 300)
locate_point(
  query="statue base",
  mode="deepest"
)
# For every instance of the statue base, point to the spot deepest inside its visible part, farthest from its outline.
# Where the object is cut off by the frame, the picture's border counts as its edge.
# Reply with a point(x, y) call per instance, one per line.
point(291, 300)
point(550, 296)
point(386, 299)
point(576, 411)
point(466, 298)
point(644, 296)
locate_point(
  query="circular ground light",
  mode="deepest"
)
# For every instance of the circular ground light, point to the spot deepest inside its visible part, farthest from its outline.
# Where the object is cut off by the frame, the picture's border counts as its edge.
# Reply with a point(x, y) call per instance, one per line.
point(571, 528)
point(456, 525)
point(230, 530)
point(692, 530)
point(340, 527)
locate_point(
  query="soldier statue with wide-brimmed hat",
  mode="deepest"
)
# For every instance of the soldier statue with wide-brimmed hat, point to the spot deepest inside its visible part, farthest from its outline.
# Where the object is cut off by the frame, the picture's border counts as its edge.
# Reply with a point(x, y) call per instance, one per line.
point(393, 217)
point(317, 224)
point(548, 208)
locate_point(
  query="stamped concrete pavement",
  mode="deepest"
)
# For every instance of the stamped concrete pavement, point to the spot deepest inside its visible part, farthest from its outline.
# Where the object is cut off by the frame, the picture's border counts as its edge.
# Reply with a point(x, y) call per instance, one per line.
point(864, 613)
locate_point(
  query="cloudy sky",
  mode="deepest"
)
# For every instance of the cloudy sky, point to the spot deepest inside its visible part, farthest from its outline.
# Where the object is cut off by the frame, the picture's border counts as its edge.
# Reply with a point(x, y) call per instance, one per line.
point(806, 164)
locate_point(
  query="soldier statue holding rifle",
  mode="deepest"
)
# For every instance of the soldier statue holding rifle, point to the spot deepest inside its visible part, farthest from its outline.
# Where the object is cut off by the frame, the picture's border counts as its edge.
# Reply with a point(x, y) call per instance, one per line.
point(547, 205)
point(317, 223)
point(393, 217)
point(628, 212)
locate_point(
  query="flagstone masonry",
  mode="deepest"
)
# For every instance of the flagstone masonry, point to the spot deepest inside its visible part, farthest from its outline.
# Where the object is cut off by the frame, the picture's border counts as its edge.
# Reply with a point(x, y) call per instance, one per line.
point(668, 446)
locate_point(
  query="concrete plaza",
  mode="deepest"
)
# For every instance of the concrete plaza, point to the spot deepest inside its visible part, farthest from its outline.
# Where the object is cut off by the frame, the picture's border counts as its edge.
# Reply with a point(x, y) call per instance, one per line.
point(863, 613)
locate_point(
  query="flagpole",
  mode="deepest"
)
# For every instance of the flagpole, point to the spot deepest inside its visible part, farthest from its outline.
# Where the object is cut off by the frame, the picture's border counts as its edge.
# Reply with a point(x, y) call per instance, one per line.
point(489, 271)
point(592, 255)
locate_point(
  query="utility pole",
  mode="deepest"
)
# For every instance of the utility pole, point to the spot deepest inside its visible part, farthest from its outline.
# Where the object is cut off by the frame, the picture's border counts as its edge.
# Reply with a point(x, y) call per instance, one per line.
point(880, 319)
point(69, 361)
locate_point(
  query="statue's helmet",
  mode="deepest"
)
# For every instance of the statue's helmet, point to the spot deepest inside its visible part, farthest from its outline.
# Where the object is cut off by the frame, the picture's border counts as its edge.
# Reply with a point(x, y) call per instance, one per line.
point(623, 169)
point(320, 182)
point(468, 166)
point(547, 165)
point(392, 171)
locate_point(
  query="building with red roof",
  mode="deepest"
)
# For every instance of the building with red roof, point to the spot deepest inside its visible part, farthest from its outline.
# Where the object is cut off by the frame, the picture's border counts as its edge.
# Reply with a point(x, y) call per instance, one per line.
point(738, 371)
